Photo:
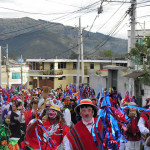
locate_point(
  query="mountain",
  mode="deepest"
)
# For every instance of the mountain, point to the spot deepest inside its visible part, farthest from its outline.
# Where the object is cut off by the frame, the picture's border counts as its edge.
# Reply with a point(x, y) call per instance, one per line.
point(42, 39)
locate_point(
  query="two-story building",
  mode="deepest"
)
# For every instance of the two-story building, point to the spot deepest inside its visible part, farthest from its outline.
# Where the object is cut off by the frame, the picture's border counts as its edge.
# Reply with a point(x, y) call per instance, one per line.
point(56, 72)
point(17, 74)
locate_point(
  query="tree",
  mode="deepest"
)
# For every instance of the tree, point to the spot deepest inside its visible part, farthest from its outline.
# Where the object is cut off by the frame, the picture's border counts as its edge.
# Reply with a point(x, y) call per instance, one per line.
point(108, 53)
point(140, 55)
point(73, 55)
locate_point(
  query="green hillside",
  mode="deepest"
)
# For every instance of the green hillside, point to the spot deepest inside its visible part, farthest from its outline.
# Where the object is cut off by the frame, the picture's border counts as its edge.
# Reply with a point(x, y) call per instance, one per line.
point(42, 39)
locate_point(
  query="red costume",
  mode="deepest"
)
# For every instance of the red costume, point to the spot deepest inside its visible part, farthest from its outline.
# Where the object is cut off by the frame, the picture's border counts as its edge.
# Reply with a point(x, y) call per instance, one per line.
point(133, 132)
point(146, 116)
point(35, 138)
point(56, 130)
point(81, 139)
point(28, 116)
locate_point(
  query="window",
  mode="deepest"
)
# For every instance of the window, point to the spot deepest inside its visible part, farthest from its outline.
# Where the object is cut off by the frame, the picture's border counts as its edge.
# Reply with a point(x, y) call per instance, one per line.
point(37, 65)
point(74, 65)
point(61, 65)
point(15, 75)
point(40, 78)
point(74, 79)
point(121, 64)
point(91, 65)
point(30, 83)
point(140, 41)
point(51, 66)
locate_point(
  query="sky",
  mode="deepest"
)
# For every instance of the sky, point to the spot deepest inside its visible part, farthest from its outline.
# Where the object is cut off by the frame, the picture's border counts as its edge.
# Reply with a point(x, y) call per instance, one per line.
point(110, 22)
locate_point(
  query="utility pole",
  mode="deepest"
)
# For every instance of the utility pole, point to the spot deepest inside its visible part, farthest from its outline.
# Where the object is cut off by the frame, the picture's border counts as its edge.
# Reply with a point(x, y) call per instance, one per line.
point(7, 64)
point(78, 60)
point(21, 72)
point(0, 67)
point(132, 42)
point(81, 45)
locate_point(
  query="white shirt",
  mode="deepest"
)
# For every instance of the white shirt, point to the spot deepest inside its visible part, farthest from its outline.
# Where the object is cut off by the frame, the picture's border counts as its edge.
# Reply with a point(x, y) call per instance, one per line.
point(5, 107)
point(141, 125)
point(67, 117)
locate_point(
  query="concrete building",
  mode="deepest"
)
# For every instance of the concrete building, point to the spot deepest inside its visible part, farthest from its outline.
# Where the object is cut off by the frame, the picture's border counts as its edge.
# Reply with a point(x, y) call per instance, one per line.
point(56, 72)
point(14, 74)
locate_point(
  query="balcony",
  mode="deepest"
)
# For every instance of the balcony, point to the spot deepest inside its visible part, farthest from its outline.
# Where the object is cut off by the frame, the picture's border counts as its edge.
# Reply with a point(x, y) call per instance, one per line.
point(52, 72)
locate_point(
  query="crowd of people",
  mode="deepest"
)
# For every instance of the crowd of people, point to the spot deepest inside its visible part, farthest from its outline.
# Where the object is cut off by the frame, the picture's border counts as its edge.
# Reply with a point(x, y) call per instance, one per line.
point(73, 120)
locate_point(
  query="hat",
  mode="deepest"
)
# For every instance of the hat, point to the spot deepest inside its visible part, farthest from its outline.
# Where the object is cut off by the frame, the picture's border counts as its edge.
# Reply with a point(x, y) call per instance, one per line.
point(85, 102)
point(55, 107)
point(132, 104)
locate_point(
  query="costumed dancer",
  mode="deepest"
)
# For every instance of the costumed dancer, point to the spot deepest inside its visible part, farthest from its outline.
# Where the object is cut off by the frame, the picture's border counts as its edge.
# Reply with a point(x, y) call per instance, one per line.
point(144, 125)
point(5, 109)
point(33, 112)
point(37, 137)
point(14, 126)
point(80, 136)
point(54, 123)
point(114, 121)
point(133, 134)
point(66, 111)
point(123, 139)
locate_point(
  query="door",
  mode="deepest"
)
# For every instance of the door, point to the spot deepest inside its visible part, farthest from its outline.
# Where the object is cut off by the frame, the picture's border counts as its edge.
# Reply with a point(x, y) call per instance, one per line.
point(34, 83)
point(114, 79)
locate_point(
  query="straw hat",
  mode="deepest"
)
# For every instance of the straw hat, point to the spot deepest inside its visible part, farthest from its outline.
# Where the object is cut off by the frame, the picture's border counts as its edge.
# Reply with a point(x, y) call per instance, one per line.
point(55, 107)
point(85, 102)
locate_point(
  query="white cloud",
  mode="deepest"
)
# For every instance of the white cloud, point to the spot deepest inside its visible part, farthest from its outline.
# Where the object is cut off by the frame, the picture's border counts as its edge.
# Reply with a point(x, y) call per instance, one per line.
point(59, 11)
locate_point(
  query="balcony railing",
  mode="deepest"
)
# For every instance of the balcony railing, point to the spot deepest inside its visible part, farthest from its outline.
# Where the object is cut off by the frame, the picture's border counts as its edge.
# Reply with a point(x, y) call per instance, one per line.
point(52, 72)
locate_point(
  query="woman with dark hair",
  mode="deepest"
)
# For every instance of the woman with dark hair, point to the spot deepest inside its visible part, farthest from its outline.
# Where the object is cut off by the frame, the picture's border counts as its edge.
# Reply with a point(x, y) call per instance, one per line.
point(15, 118)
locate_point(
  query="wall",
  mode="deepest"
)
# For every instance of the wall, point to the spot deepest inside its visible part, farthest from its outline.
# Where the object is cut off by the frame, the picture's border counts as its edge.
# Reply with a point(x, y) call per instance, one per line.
point(146, 94)
point(64, 82)
point(122, 83)
point(97, 82)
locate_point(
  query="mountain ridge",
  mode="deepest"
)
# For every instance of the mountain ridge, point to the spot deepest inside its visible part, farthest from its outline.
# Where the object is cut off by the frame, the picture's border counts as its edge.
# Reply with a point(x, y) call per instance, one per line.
point(42, 39)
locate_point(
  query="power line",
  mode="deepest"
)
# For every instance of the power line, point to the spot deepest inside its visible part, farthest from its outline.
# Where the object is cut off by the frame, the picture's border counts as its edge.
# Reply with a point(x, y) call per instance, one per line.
point(110, 17)
point(52, 20)
point(33, 13)
point(109, 35)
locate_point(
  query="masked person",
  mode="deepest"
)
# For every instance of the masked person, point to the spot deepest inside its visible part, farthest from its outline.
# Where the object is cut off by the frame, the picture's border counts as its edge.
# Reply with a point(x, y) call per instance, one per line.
point(133, 134)
point(80, 136)
point(54, 123)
